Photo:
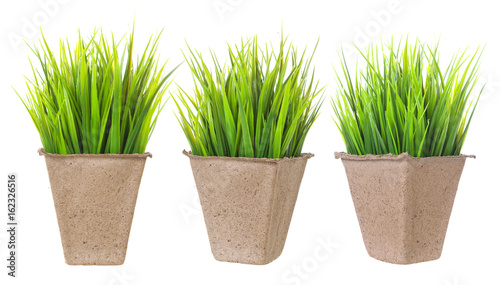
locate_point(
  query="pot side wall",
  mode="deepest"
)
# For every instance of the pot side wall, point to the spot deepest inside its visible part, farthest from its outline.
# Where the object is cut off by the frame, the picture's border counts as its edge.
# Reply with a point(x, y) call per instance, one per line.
point(404, 205)
point(94, 198)
point(247, 204)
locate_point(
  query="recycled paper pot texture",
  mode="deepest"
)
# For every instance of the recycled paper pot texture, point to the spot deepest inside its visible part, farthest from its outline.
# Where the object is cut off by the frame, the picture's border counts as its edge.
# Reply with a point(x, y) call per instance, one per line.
point(403, 203)
point(95, 197)
point(247, 204)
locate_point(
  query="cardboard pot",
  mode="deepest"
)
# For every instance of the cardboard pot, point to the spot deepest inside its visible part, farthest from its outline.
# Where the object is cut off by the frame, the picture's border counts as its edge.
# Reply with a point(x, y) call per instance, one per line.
point(94, 196)
point(247, 204)
point(403, 203)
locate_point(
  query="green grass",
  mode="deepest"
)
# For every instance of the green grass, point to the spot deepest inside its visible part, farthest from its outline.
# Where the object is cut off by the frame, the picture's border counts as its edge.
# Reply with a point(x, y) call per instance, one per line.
point(94, 98)
point(404, 102)
point(261, 105)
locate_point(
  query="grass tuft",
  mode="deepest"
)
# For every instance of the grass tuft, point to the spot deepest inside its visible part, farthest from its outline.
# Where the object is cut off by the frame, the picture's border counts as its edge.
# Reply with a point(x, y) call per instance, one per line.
point(93, 98)
point(261, 105)
point(404, 102)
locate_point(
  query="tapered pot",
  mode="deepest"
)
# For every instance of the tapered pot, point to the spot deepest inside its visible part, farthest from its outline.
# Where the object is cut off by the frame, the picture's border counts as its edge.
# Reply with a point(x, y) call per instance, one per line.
point(95, 196)
point(247, 204)
point(403, 203)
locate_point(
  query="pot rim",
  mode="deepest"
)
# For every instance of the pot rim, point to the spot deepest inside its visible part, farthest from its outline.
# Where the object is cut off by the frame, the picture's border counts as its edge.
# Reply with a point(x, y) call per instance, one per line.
point(42, 152)
point(390, 156)
point(305, 155)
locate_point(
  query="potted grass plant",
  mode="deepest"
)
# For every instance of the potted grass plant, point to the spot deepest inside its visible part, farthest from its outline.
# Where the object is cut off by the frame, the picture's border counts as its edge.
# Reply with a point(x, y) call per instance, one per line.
point(404, 121)
point(246, 124)
point(95, 109)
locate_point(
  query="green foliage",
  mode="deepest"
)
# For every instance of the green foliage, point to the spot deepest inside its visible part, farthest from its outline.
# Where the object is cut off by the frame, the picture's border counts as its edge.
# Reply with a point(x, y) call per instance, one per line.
point(255, 107)
point(404, 102)
point(95, 99)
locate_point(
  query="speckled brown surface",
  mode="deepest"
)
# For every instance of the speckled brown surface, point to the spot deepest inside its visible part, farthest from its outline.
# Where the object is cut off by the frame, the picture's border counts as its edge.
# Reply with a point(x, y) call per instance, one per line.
point(94, 197)
point(247, 204)
point(403, 203)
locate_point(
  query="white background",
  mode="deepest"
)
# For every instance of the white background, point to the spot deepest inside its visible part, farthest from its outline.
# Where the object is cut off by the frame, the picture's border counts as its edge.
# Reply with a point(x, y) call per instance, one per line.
point(168, 242)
